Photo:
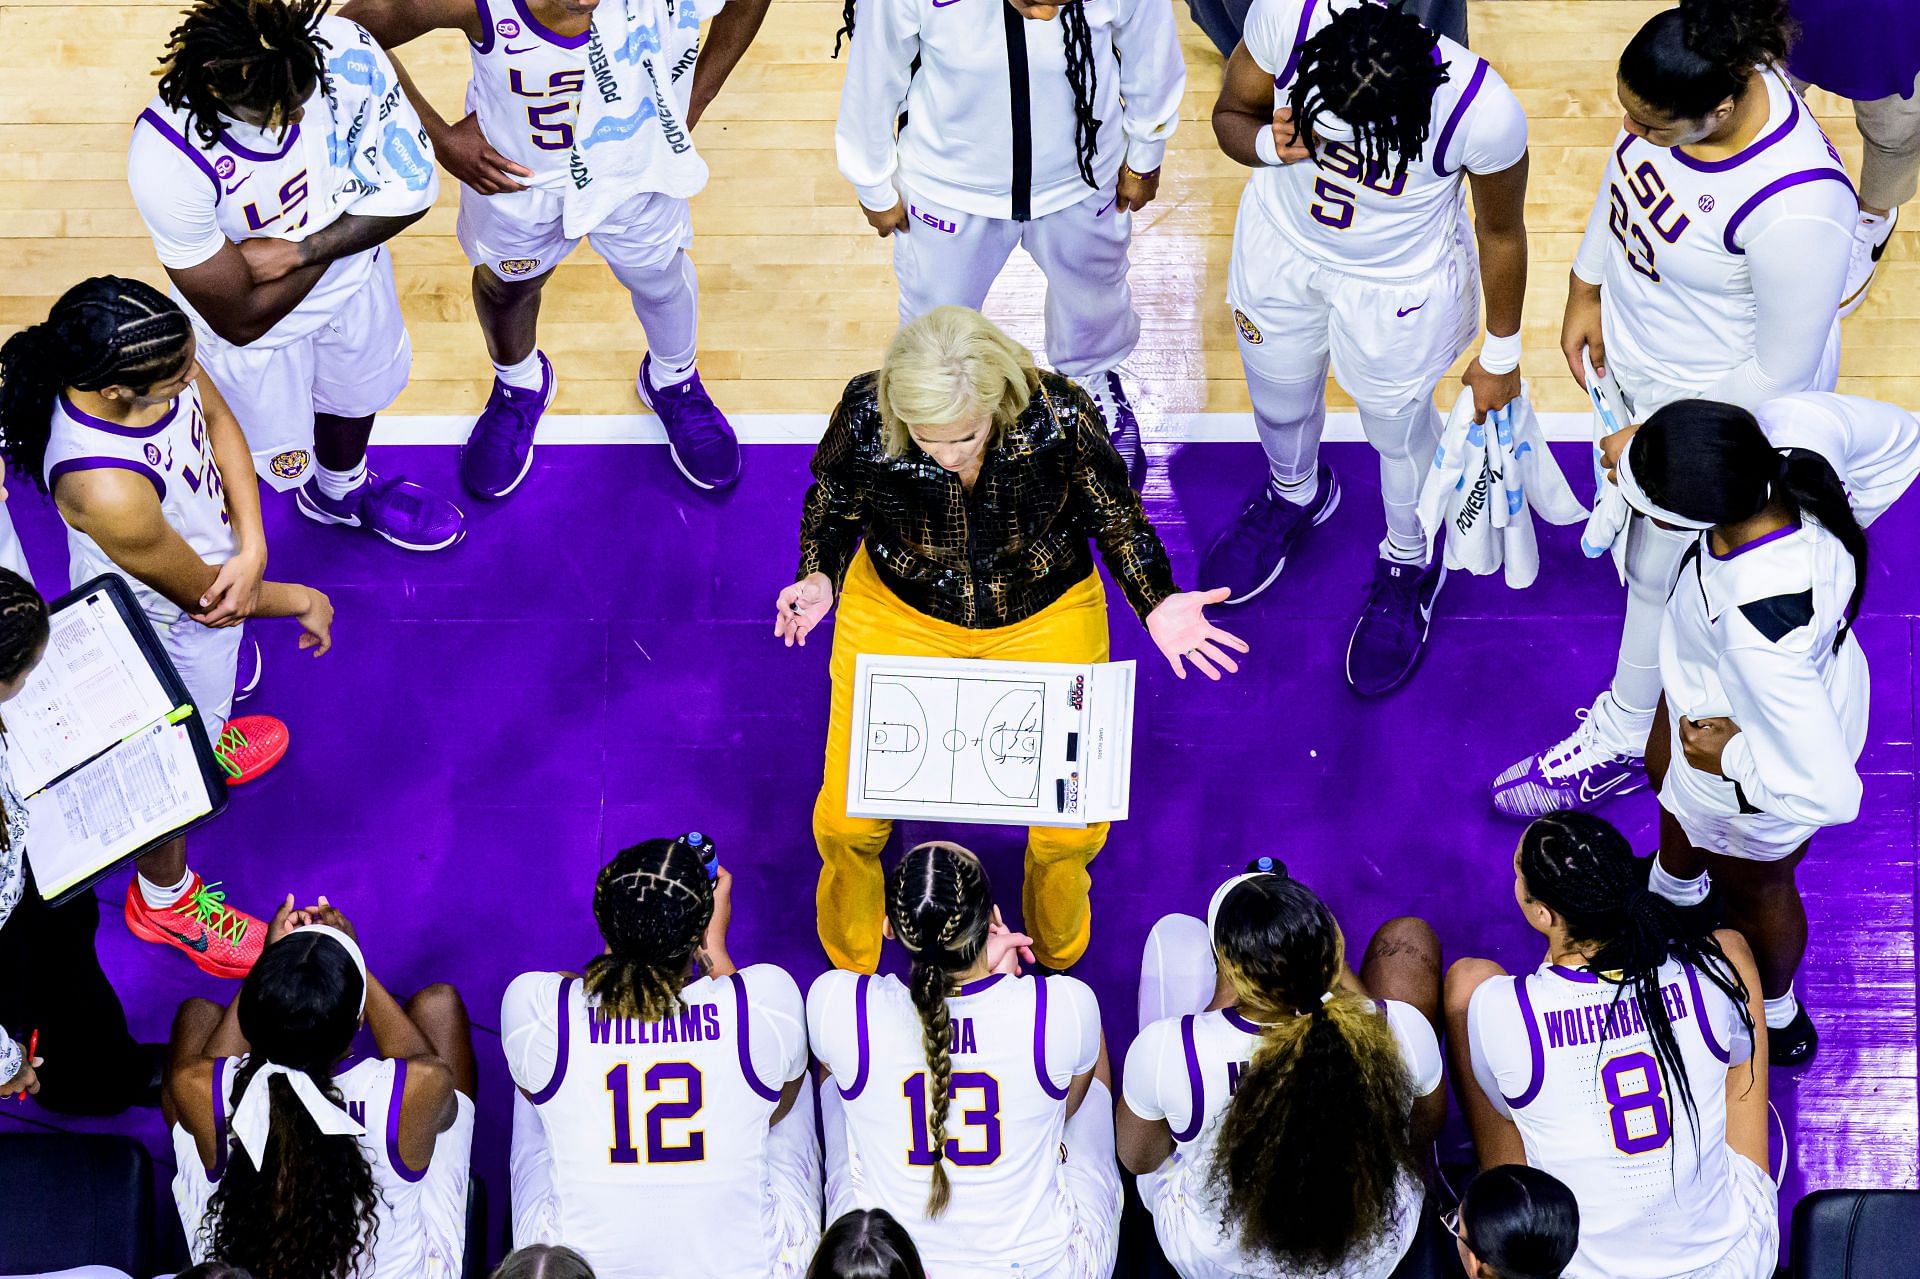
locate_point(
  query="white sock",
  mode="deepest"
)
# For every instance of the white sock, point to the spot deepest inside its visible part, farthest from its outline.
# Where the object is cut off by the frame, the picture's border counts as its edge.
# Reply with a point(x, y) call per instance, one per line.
point(524, 376)
point(1300, 492)
point(1782, 1011)
point(1874, 228)
point(1681, 892)
point(337, 484)
point(158, 897)
point(1401, 549)
point(671, 372)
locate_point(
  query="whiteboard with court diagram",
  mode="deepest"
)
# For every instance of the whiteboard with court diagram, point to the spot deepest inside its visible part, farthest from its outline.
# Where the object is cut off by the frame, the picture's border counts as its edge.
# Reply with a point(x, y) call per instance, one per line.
point(1017, 743)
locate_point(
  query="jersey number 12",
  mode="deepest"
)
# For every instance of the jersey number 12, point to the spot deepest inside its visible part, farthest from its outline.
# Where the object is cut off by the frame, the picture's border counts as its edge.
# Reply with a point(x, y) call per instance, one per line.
point(667, 1076)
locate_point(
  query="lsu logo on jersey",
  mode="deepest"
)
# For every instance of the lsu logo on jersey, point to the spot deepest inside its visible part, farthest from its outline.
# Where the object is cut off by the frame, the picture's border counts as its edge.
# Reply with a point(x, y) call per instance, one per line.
point(290, 465)
point(518, 266)
point(1248, 329)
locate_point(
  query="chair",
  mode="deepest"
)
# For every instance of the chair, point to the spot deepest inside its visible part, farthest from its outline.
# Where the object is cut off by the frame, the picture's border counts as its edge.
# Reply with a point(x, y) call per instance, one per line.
point(476, 1262)
point(74, 1199)
point(1855, 1234)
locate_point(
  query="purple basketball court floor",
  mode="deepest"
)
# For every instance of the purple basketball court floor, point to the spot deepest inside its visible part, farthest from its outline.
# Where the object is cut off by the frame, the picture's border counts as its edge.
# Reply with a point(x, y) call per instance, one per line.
point(595, 665)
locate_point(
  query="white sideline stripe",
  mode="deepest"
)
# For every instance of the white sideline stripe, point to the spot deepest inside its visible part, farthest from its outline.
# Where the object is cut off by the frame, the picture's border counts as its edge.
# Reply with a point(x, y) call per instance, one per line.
point(806, 428)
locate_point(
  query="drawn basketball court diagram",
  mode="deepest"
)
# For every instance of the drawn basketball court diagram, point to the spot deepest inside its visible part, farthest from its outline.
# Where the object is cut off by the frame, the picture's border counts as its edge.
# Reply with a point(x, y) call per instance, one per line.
point(941, 740)
point(1022, 743)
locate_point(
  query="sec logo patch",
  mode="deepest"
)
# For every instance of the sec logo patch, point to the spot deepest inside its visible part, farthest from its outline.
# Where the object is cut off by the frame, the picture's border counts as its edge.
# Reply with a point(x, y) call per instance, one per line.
point(152, 452)
point(518, 266)
point(1247, 328)
point(507, 27)
point(290, 465)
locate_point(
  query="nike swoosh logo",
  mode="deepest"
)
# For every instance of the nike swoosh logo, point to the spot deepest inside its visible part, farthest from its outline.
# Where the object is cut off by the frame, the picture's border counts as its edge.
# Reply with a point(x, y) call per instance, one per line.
point(529, 49)
point(236, 186)
point(1404, 313)
point(1590, 792)
point(941, 4)
point(1103, 208)
point(191, 943)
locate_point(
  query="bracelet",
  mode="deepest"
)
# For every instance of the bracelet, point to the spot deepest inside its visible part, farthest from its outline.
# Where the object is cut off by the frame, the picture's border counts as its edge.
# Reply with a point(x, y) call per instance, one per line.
point(1266, 148)
point(1499, 354)
point(1150, 176)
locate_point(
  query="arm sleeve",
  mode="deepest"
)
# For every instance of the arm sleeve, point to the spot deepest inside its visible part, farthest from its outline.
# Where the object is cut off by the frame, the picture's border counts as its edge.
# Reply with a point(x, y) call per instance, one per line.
point(830, 1018)
point(886, 40)
point(1111, 513)
point(779, 1034)
point(529, 1029)
point(1073, 1027)
point(1790, 757)
point(1418, 1045)
point(1272, 32)
point(1590, 260)
point(834, 511)
point(175, 198)
point(1873, 446)
point(1153, 79)
point(1496, 133)
point(1492, 1019)
point(1798, 245)
point(1154, 1065)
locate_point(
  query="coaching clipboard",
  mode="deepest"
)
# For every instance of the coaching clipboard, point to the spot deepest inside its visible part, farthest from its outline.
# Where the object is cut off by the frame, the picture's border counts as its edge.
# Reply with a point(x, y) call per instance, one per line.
point(104, 743)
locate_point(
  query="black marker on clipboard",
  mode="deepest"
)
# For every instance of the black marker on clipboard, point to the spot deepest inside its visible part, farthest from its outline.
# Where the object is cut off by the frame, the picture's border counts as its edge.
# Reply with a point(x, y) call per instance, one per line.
point(1060, 795)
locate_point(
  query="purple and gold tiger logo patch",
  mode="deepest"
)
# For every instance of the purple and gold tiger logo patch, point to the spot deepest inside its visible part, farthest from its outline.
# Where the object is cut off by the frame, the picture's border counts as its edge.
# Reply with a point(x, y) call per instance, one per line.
point(1248, 329)
point(518, 266)
point(290, 465)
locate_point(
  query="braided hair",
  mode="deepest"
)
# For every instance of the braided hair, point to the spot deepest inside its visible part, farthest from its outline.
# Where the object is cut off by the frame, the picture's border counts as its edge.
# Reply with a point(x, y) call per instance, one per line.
point(106, 331)
point(1315, 1151)
point(1711, 461)
point(1583, 870)
point(940, 906)
point(1375, 68)
point(23, 629)
point(653, 903)
point(1688, 60)
point(263, 57)
point(1077, 39)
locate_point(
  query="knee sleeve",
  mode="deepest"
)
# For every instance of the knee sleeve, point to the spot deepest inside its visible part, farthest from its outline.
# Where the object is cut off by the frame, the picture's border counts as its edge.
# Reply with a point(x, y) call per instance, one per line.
point(1653, 558)
point(667, 301)
point(1405, 439)
point(1291, 417)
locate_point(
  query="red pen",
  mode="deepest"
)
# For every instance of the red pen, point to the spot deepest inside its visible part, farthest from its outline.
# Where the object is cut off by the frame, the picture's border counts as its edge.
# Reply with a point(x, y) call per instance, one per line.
point(33, 1046)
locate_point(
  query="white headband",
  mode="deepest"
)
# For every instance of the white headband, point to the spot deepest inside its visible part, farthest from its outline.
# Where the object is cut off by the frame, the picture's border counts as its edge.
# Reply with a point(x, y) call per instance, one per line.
point(253, 1117)
point(1637, 498)
point(1220, 898)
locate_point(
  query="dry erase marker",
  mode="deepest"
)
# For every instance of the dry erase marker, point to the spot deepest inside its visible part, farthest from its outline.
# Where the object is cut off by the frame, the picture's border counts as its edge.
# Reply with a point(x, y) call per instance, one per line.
point(1073, 747)
point(33, 1047)
point(1060, 795)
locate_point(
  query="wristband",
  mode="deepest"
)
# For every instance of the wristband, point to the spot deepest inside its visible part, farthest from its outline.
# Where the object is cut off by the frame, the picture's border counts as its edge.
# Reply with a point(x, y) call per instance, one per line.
point(1499, 355)
point(1266, 148)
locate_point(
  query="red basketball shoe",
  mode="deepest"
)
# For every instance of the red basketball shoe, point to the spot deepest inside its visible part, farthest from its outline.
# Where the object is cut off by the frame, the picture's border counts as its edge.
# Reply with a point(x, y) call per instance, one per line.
point(216, 937)
point(249, 746)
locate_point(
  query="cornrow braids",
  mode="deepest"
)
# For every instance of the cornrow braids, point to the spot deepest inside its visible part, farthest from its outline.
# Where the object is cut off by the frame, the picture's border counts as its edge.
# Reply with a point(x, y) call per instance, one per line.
point(1374, 68)
point(105, 331)
point(1078, 41)
point(653, 903)
point(23, 626)
point(940, 906)
point(1582, 869)
point(259, 56)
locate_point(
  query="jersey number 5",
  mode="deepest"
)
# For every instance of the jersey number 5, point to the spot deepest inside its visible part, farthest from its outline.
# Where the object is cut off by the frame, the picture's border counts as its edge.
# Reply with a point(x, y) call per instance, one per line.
point(1635, 1108)
point(985, 1117)
point(667, 1076)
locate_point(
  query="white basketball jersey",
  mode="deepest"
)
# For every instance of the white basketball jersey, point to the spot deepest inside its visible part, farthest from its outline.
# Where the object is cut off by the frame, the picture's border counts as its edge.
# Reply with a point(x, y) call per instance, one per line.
point(1016, 1045)
point(371, 1090)
point(1375, 223)
point(1576, 1071)
point(1666, 235)
point(657, 1133)
point(526, 90)
point(1185, 1070)
point(173, 454)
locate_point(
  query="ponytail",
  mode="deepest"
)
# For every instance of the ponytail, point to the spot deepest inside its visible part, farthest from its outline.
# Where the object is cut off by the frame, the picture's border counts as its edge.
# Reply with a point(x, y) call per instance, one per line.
point(1809, 482)
point(1316, 1147)
point(940, 906)
point(106, 331)
point(1688, 60)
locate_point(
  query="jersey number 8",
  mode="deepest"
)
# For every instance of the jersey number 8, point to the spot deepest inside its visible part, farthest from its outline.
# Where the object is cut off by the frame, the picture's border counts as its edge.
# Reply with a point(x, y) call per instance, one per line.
point(678, 1076)
point(985, 1117)
point(1635, 1108)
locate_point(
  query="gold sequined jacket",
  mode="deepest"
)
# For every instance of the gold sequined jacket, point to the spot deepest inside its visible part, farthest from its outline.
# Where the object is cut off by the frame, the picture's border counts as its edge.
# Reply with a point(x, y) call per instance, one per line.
point(1006, 550)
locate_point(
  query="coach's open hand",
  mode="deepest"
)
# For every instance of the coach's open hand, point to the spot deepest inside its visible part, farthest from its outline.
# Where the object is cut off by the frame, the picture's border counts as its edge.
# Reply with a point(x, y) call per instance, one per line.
point(1180, 629)
point(801, 607)
point(1704, 740)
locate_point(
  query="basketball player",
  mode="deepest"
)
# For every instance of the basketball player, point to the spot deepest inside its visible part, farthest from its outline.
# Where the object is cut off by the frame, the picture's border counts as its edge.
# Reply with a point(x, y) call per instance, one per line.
point(271, 169)
point(512, 153)
point(1273, 1110)
point(105, 407)
point(290, 1163)
point(1711, 266)
point(1350, 249)
point(1631, 1065)
point(972, 1103)
point(985, 161)
point(701, 1075)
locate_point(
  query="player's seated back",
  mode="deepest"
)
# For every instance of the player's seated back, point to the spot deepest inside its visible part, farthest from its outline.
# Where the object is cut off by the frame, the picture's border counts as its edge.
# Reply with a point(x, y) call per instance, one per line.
point(656, 1130)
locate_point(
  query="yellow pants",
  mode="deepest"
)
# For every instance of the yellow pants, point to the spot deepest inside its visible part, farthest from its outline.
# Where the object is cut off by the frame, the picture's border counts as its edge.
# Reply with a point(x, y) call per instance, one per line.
point(851, 898)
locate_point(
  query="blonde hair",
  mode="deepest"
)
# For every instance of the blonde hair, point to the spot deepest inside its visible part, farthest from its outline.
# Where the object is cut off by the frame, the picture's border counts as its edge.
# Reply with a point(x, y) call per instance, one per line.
point(951, 363)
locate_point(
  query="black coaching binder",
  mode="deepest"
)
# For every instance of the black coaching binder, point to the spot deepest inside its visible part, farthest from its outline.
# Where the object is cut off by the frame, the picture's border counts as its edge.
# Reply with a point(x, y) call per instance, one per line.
point(104, 744)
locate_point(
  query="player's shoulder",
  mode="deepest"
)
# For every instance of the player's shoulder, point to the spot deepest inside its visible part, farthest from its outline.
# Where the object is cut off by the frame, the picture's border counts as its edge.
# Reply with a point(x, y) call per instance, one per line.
point(530, 996)
point(1071, 993)
point(770, 986)
point(1157, 1041)
point(835, 987)
point(1275, 29)
point(1496, 995)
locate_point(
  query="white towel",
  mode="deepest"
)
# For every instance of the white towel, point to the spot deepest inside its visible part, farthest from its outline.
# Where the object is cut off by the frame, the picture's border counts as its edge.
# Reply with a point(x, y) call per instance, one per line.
point(630, 137)
point(375, 143)
point(1607, 526)
point(1487, 481)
